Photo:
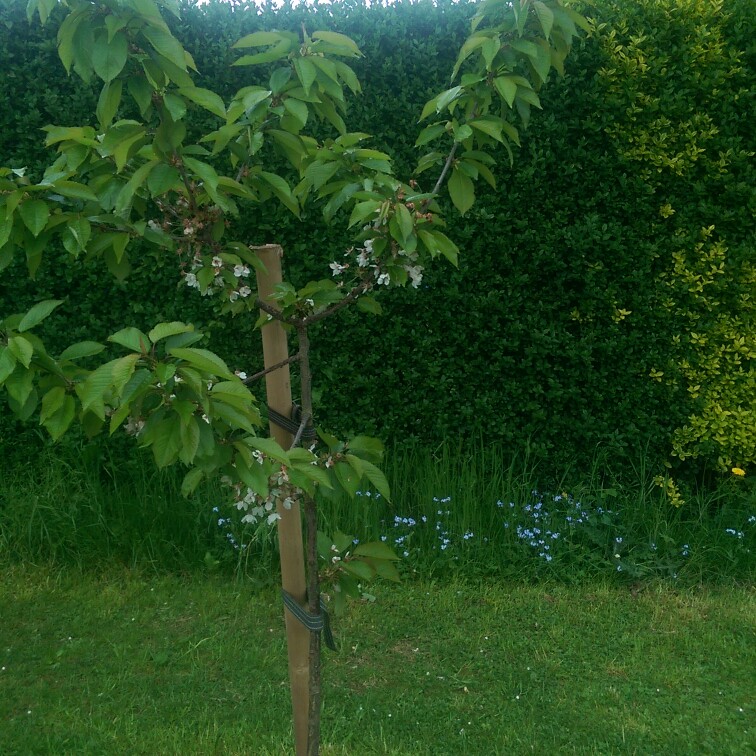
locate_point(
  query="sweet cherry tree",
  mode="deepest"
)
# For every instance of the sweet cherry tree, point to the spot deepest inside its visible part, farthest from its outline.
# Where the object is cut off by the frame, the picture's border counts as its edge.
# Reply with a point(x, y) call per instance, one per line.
point(133, 175)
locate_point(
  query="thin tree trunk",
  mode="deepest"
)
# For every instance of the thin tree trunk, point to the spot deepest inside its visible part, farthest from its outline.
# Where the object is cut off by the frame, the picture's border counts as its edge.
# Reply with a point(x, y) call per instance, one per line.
point(313, 582)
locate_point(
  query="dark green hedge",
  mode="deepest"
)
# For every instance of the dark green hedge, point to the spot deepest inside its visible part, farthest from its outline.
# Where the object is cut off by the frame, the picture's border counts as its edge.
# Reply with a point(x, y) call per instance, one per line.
point(528, 342)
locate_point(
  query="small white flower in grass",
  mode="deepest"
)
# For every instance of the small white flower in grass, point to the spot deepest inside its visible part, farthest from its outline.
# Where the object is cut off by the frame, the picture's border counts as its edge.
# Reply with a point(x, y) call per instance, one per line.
point(241, 271)
point(188, 230)
point(273, 517)
point(244, 292)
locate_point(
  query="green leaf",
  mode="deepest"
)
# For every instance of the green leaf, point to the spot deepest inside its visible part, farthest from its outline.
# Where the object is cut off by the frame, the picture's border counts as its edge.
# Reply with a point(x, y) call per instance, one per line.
point(404, 219)
point(167, 45)
point(52, 401)
point(38, 313)
point(123, 369)
point(490, 125)
point(281, 190)
point(58, 423)
point(259, 39)
point(109, 57)
point(376, 550)
point(270, 448)
point(21, 348)
point(348, 478)
point(340, 40)
point(132, 338)
point(377, 479)
point(20, 387)
point(370, 305)
point(306, 73)
point(361, 570)
point(175, 105)
point(545, 17)
point(461, 191)
point(206, 99)
point(34, 214)
point(366, 447)
point(447, 98)
point(506, 88)
point(162, 178)
point(7, 363)
point(203, 360)
point(297, 109)
point(164, 330)
point(429, 133)
point(252, 475)
point(107, 104)
point(190, 482)
point(81, 349)
point(363, 210)
point(74, 190)
point(6, 226)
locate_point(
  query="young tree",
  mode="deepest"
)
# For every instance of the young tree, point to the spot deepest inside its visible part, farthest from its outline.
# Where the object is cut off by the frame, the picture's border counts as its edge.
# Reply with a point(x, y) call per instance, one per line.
point(134, 175)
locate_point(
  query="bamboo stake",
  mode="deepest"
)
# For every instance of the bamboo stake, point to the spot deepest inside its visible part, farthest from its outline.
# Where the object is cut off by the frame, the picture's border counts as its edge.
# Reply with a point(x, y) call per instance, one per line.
point(278, 391)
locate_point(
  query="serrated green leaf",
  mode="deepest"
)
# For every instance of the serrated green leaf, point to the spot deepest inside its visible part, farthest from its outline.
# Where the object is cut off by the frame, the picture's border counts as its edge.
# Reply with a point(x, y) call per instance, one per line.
point(206, 99)
point(162, 178)
point(52, 401)
point(363, 211)
point(545, 17)
point(109, 57)
point(21, 348)
point(108, 102)
point(190, 482)
point(377, 479)
point(132, 338)
point(358, 568)
point(7, 363)
point(370, 305)
point(340, 40)
point(164, 330)
point(81, 349)
point(306, 73)
point(348, 478)
point(34, 214)
point(506, 88)
point(38, 313)
point(259, 39)
point(203, 360)
point(269, 448)
point(376, 550)
point(461, 191)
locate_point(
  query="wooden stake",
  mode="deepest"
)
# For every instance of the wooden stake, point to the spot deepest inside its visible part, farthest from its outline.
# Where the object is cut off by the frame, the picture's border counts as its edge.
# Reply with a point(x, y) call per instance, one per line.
point(278, 391)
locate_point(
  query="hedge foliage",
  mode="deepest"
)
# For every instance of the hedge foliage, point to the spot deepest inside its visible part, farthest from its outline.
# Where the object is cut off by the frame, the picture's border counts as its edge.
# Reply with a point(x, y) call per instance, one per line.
point(605, 294)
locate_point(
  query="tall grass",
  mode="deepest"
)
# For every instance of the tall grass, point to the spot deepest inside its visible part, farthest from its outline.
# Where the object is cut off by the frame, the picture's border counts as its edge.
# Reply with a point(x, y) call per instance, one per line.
point(472, 511)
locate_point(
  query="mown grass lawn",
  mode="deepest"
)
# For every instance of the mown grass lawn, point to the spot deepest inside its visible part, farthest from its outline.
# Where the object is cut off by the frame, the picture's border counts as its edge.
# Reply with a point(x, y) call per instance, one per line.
point(129, 663)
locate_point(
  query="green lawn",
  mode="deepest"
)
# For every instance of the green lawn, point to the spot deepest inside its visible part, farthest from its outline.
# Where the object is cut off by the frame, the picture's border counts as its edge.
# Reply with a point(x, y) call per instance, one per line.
point(124, 663)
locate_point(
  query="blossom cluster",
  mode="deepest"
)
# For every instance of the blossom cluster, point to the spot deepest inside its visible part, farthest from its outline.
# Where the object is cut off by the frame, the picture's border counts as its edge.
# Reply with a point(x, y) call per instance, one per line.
point(228, 278)
point(366, 259)
point(257, 507)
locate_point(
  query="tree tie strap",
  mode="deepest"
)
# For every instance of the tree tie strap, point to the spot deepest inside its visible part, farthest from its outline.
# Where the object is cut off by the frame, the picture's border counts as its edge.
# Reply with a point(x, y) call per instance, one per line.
point(315, 623)
point(291, 424)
